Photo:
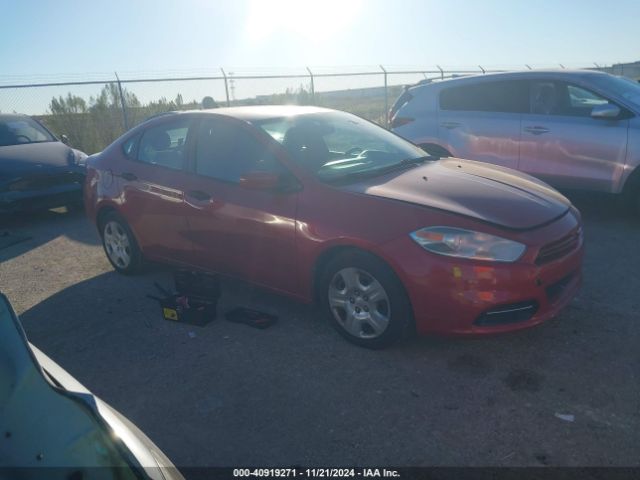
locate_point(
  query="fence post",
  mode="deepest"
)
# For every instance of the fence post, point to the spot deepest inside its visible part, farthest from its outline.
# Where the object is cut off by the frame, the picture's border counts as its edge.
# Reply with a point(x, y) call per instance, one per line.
point(386, 98)
point(226, 86)
point(441, 72)
point(313, 87)
point(122, 103)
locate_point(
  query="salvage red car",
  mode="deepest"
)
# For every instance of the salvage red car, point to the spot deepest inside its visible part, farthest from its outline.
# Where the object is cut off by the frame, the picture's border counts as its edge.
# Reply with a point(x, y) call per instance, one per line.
point(324, 205)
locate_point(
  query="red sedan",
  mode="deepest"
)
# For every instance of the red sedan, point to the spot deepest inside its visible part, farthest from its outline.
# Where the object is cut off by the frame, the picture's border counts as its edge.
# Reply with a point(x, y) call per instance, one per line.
point(323, 205)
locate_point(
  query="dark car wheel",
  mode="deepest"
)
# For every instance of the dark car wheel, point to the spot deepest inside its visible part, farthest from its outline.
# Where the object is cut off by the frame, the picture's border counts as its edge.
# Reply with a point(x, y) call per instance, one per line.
point(364, 300)
point(119, 244)
point(634, 200)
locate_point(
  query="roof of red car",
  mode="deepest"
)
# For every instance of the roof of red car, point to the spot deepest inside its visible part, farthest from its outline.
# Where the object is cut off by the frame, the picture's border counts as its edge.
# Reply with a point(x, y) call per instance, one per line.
point(258, 112)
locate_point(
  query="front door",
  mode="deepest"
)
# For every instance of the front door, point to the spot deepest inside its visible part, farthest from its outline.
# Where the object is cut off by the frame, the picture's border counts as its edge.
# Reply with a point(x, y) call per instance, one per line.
point(234, 230)
point(562, 145)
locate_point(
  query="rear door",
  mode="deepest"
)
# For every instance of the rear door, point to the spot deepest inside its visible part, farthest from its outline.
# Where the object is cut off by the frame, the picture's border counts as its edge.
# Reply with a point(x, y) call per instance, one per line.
point(481, 121)
point(238, 231)
point(563, 145)
point(153, 178)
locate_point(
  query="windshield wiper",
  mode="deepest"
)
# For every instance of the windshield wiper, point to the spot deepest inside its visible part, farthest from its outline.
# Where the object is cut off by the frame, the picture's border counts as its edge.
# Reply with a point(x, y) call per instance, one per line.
point(375, 172)
point(402, 164)
point(412, 161)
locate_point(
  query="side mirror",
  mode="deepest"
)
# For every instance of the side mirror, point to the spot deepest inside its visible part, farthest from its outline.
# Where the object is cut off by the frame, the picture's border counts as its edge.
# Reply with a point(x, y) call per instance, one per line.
point(607, 111)
point(260, 181)
point(64, 139)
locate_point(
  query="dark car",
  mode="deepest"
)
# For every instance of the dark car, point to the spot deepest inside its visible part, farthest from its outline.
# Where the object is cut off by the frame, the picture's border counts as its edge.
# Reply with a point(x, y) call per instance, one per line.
point(53, 427)
point(319, 204)
point(37, 170)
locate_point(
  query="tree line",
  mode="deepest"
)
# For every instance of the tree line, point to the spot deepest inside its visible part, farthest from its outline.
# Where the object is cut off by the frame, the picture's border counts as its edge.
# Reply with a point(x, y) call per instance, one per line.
point(93, 124)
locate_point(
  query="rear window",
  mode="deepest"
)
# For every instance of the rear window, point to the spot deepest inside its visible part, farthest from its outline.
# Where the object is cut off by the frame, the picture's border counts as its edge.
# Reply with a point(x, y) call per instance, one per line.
point(165, 144)
point(504, 97)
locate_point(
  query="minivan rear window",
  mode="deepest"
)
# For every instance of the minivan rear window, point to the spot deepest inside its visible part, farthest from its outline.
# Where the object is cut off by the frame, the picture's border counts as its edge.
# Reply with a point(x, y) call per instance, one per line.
point(502, 96)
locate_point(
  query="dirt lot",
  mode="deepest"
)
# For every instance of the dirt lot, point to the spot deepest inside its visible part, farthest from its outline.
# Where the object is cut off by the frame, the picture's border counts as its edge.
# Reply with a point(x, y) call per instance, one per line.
point(297, 393)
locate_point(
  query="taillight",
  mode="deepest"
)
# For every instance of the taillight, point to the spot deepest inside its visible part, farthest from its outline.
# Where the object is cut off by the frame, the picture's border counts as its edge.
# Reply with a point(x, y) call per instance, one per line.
point(399, 121)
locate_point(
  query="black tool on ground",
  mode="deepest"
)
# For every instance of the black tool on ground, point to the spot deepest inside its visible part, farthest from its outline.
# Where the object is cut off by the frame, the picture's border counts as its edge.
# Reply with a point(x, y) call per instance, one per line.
point(195, 300)
point(251, 317)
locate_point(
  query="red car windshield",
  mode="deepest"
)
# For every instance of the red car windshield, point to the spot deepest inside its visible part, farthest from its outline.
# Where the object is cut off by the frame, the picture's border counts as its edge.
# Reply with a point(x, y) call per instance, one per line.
point(336, 145)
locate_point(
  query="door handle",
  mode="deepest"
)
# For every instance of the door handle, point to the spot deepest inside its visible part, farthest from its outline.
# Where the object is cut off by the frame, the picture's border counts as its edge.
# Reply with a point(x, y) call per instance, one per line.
point(450, 125)
point(537, 130)
point(199, 195)
point(129, 177)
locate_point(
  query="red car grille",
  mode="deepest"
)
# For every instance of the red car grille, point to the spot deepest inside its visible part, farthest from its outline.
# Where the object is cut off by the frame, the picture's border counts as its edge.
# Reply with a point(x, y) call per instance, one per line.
point(559, 248)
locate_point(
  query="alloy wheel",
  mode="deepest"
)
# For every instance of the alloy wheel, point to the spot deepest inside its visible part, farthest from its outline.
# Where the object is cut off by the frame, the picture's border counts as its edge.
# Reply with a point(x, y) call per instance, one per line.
point(117, 244)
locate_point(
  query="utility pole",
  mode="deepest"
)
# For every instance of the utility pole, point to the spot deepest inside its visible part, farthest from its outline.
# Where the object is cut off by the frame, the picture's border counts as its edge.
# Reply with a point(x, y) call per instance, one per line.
point(122, 104)
point(232, 86)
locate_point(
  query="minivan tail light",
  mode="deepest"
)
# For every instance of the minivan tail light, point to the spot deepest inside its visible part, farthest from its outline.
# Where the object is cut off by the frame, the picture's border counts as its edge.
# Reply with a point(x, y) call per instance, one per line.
point(399, 121)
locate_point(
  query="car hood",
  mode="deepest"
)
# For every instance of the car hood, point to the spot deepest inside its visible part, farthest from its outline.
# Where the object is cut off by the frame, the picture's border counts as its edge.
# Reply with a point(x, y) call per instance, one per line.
point(488, 193)
point(59, 423)
point(20, 160)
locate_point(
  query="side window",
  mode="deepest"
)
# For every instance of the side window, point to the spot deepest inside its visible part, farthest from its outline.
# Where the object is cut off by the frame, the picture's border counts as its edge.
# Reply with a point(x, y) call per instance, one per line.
point(501, 97)
point(584, 99)
point(225, 151)
point(580, 102)
point(560, 98)
point(165, 144)
point(544, 98)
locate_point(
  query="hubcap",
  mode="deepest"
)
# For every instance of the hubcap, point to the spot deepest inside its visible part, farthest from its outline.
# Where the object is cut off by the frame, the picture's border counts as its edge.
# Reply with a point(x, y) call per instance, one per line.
point(359, 303)
point(117, 245)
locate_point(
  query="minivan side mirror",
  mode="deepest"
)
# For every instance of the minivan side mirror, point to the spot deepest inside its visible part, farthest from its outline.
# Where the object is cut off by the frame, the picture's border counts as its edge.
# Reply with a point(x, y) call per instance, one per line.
point(64, 139)
point(607, 111)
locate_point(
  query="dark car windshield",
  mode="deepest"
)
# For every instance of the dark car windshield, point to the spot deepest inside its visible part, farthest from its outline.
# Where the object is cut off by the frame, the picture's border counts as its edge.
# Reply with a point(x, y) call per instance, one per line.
point(338, 146)
point(21, 130)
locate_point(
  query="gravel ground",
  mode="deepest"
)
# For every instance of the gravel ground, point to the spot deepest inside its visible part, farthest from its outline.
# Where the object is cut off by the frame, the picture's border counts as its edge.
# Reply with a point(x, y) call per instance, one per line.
point(296, 393)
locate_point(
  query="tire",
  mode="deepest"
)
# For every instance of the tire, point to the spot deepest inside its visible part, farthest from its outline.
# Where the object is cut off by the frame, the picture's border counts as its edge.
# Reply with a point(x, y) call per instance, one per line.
point(633, 200)
point(120, 244)
point(373, 323)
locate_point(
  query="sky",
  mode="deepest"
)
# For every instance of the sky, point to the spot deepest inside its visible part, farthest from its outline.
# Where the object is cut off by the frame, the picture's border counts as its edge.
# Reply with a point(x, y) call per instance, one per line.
point(45, 40)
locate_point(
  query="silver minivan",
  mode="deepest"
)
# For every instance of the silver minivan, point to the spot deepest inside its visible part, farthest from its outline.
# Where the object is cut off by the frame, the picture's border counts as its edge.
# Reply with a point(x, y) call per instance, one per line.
point(572, 129)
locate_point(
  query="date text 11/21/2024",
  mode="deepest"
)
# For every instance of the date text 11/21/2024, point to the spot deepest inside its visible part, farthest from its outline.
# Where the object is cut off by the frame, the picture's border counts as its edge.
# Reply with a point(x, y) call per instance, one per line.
point(316, 472)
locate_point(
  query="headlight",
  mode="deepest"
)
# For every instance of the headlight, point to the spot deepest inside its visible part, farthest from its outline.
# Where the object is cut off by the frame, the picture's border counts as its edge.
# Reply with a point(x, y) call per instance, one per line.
point(76, 157)
point(457, 242)
point(81, 158)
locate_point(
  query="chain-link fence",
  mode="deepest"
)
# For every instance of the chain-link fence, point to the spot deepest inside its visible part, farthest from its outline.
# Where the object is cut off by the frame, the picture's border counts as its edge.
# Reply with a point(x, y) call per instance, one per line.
point(94, 110)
